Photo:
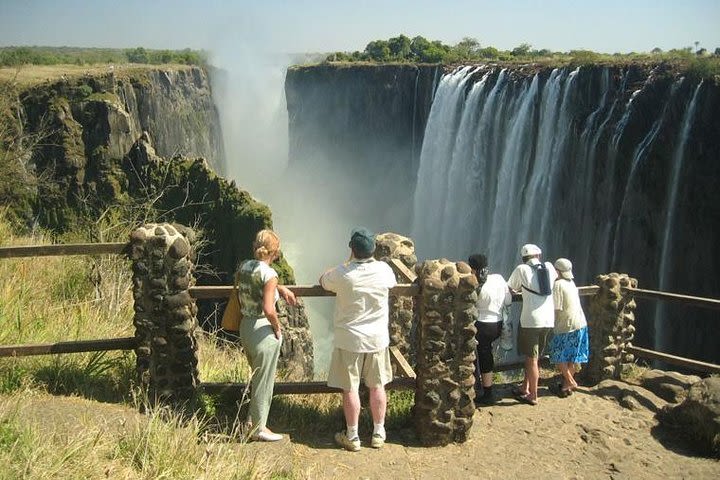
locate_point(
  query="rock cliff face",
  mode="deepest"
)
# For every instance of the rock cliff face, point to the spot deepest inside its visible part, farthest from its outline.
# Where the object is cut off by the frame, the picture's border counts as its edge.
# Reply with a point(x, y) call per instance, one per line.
point(91, 123)
point(363, 123)
point(612, 166)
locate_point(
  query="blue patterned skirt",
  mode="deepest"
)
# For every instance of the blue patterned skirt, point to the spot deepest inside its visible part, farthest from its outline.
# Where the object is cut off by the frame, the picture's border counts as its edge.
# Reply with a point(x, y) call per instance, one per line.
point(571, 347)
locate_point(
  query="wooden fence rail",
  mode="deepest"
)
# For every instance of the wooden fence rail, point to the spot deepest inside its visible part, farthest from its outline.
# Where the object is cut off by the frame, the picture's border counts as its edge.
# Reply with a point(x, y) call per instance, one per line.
point(223, 291)
point(63, 249)
point(106, 344)
point(673, 360)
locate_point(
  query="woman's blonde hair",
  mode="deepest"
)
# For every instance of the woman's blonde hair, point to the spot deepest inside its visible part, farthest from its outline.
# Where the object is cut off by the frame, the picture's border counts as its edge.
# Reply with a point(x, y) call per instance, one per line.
point(266, 245)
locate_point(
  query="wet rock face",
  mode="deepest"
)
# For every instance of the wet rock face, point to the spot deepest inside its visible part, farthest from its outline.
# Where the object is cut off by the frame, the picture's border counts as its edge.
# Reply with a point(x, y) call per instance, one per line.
point(611, 327)
point(698, 417)
point(444, 405)
point(165, 313)
point(296, 353)
point(403, 321)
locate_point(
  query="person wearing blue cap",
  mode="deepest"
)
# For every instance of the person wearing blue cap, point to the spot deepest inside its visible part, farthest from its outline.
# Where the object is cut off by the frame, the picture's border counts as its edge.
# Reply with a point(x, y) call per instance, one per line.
point(361, 336)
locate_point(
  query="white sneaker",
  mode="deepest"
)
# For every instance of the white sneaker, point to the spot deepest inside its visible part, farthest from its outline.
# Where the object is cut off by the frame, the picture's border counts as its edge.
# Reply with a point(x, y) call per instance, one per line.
point(267, 437)
point(349, 444)
point(377, 441)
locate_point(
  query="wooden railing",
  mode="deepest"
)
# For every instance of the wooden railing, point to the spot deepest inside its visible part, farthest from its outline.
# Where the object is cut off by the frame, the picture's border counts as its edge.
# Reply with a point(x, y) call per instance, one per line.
point(220, 292)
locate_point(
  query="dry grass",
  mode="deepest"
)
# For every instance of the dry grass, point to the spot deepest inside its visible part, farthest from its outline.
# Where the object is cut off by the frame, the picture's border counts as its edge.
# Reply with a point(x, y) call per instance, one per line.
point(29, 75)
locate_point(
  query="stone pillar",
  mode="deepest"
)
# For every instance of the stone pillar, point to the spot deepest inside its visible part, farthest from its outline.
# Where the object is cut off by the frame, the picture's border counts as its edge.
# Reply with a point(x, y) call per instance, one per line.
point(445, 392)
point(402, 323)
point(165, 313)
point(610, 327)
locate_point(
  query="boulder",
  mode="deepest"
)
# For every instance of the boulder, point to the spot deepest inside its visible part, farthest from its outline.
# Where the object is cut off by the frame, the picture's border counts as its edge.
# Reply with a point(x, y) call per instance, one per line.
point(670, 386)
point(620, 391)
point(697, 418)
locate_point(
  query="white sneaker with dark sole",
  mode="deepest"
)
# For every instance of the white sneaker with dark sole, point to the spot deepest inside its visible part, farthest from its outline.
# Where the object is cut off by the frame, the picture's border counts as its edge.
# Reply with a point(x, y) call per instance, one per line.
point(349, 444)
point(377, 441)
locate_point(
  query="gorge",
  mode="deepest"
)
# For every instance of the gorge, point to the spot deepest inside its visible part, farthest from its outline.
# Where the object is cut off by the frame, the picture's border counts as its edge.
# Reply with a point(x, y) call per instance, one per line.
point(611, 166)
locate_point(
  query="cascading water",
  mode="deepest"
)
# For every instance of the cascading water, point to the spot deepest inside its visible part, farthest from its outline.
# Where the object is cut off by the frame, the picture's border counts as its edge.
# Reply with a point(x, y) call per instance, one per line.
point(546, 158)
point(667, 243)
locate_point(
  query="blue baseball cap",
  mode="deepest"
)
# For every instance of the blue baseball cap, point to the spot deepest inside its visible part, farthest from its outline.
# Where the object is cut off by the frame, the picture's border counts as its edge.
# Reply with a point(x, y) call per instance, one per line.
point(362, 242)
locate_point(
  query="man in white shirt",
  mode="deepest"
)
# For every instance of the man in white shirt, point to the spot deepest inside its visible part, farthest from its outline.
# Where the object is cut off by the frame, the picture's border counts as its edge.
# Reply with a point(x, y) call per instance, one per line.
point(361, 335)
point(535, 280)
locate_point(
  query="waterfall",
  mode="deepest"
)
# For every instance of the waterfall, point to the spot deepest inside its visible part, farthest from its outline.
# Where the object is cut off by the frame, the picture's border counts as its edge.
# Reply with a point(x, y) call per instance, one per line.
point(664, 269)
point(511, 159)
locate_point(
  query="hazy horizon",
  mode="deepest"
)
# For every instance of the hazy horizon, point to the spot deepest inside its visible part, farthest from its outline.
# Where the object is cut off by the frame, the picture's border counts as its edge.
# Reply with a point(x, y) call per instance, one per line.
point(323, 26)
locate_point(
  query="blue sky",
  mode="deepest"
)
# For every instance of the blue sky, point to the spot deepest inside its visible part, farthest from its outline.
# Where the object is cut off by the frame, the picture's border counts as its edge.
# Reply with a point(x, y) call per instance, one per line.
point(321, 26)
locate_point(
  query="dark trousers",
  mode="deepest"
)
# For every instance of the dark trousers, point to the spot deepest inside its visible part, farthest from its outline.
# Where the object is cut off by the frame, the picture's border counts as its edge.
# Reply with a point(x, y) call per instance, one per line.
point(486, 334)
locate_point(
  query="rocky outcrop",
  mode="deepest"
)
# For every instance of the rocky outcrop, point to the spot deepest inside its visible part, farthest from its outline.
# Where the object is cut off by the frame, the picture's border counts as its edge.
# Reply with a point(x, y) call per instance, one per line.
point(698, 417)
point(90, 123)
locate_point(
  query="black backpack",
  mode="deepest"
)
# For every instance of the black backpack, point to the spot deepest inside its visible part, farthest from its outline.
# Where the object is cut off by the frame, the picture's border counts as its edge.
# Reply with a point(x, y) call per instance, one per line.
point(543, 276)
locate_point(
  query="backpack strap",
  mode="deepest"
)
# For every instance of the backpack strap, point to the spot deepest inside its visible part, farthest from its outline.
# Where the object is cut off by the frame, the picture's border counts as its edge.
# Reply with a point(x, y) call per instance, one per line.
point(533, 291)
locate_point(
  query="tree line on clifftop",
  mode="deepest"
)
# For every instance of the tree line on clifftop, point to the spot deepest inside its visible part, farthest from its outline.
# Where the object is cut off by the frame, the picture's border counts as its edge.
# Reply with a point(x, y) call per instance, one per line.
point(17, 56)
point(403, 49)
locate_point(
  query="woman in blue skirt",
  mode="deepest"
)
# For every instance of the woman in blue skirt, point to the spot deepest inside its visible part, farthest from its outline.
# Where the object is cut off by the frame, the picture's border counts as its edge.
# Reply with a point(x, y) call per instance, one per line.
point(569, 344)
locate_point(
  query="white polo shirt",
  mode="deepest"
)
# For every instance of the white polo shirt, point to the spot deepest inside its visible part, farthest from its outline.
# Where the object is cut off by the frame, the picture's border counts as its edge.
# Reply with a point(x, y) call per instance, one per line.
point(493, 295)
point(537, 310)
point(361, 307)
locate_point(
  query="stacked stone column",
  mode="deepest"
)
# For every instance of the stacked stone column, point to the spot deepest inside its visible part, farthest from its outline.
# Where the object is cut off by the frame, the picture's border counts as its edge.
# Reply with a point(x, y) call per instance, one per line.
point(402, 325)
point(445, 392)
point(610, 327)
point(165, 313)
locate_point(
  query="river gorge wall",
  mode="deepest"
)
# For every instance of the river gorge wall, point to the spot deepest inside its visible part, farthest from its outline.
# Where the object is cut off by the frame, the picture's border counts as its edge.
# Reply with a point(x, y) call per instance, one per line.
point(614, 167)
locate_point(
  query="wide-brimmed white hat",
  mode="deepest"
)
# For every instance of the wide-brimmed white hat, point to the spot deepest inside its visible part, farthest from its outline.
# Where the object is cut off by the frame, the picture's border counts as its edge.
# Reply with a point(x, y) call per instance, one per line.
point(564, 268)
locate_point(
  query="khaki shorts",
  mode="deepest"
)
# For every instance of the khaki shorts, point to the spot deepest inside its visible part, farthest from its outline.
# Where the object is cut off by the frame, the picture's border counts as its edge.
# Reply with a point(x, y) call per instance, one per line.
point(532, 341)
point(347, 368)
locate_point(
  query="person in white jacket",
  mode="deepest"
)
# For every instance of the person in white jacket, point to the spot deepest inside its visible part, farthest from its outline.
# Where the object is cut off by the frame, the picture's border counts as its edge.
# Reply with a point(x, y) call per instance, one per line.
point(493, 295)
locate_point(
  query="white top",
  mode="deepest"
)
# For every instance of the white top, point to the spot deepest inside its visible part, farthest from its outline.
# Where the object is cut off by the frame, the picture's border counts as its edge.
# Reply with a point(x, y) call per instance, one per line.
point(569, 315)
point(361, 307)
point(493, 295)
point(537, 310)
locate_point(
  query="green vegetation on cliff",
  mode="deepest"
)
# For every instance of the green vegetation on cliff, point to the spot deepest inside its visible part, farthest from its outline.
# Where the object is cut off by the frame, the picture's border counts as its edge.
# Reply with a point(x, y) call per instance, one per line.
point(16, 56)
point(403, 49)
point(66, 164)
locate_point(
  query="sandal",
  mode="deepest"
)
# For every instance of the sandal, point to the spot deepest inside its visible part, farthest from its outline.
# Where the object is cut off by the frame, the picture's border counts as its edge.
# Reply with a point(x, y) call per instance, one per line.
point(526, 399)
point(518, 392)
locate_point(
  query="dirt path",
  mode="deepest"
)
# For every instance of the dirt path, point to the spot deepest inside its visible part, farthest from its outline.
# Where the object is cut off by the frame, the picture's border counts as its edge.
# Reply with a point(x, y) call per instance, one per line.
point(583, 436)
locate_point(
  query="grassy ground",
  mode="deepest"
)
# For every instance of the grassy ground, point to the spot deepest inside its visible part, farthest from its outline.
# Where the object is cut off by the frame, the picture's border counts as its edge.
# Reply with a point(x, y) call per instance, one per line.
point(29, 75)
point(51, 299)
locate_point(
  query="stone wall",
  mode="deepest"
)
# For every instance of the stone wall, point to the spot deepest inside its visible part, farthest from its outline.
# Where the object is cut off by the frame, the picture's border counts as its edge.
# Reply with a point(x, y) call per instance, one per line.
point(165, 313)
point(610, 327)
point(444, 406)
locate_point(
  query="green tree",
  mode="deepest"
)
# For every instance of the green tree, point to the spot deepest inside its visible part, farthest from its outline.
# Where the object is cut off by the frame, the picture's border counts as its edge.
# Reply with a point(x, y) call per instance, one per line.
point(137, 55)
point(467, 48)
point(378, 50)
point(399, 47)
point(521, 50)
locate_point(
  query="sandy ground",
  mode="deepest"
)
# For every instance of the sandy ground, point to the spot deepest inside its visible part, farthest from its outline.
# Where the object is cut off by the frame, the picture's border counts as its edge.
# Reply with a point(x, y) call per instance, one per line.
point(583, 436)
